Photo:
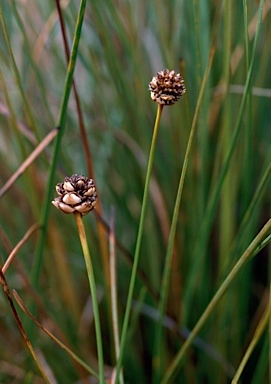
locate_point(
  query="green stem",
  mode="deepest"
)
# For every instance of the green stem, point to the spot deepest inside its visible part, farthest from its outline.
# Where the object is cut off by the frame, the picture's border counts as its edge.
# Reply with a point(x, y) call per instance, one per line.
point(253, 248)
point(249, 164)
point(227, 191)
point(257, 335)
point(138, 244)
point(91, 278)
point(113, 290)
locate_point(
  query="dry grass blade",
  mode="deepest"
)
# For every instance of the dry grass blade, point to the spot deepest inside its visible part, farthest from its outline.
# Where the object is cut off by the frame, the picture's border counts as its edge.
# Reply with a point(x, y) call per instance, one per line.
point(19, 324)
point(21, 126)
point(14, 252)
point(37, 151)
point(17, 373)
point(56, 340)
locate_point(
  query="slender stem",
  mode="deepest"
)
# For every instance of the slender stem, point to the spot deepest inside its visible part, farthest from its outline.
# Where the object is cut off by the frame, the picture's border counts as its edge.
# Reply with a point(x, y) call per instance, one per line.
point(257, 335)
point(227, 191)
point(250, 251)
point(248, 137)
point(113, 290)
point(91, 278)
point(138, 243)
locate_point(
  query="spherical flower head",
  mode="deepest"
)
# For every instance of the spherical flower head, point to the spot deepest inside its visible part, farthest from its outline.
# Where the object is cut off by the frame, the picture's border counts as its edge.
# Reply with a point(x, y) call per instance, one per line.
point(76, 194)
point(167, 87)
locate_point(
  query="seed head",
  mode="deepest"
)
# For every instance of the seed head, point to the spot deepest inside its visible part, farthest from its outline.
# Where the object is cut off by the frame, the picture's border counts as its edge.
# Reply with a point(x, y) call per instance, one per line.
point(167, 87)
point(76, 193)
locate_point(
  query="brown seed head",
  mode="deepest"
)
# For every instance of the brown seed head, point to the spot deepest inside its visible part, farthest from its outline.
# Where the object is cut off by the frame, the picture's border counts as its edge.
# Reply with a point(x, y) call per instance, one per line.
point(167, 87)
point(76, 193)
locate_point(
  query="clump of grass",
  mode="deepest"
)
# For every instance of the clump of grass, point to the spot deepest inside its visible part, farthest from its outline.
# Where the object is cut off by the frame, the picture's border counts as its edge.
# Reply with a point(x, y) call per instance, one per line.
point(177, 289)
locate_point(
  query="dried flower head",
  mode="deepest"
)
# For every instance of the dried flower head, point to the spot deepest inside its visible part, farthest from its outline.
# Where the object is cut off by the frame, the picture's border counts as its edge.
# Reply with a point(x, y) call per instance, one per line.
point(77, 193)
point(167, 87)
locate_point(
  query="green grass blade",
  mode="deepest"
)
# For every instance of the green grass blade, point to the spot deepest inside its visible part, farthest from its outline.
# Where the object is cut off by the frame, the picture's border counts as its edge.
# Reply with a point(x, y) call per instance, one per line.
point(61, 124)
point(205, 228)
point(250, 252)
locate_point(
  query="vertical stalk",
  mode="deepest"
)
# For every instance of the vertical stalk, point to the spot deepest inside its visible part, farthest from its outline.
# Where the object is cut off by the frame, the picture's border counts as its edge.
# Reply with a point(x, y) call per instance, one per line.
point(226, 215)
point(91, 279)
point(227, 208)
point(248, 156)
point(113, 290)
point(202, 136)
